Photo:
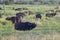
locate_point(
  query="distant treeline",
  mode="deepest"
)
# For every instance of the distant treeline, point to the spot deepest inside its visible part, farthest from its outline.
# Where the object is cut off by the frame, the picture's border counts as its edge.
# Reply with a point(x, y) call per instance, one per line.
point(39, 2)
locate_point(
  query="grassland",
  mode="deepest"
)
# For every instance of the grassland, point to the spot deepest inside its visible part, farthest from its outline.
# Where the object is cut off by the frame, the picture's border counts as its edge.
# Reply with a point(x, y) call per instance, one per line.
point(49, 27)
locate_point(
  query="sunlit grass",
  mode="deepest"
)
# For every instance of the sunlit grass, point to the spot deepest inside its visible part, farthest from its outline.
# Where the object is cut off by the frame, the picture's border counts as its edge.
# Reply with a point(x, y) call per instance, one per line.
point(44, 25)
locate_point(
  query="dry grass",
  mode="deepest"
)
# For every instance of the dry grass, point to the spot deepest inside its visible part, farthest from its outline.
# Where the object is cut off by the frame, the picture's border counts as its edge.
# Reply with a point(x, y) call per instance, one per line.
point(50, 36)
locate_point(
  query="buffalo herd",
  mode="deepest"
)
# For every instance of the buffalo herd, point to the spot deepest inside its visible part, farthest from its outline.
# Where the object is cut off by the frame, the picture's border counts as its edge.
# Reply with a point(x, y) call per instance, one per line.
point(19, 25)
point(23, 26)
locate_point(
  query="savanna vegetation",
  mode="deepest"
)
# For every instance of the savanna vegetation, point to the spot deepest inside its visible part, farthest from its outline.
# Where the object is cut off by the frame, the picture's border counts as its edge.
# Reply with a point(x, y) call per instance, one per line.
point(46, 26)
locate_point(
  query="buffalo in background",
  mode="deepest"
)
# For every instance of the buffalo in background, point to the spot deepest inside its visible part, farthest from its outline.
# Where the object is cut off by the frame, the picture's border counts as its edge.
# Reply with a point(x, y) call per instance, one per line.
point(51, 14)
point(21, 14)
point(29, 12)
point(18, 9)
point(38, 15)
point(25, 8)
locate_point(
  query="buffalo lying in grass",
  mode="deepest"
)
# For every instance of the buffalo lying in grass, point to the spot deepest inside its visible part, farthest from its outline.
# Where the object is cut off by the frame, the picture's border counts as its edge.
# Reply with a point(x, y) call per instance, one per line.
point(38, 16)
point(57, 10)
point(11, 19)
point(51, 15)
point(24, 26)
point(18, 9)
